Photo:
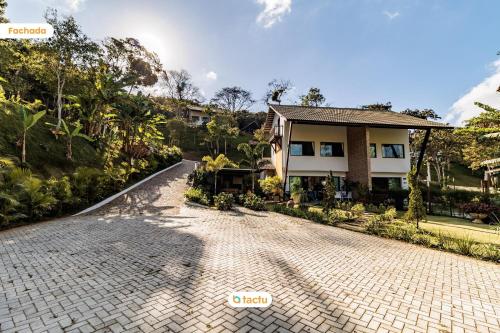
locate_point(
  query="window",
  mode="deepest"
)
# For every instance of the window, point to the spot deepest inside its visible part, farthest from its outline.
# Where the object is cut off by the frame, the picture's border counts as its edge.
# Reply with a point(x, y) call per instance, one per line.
point(384, 184)
point(205, 119)
point(301, 148)
point(195, 119)
point(393, 151)
point(329, 149)
point(373, 150)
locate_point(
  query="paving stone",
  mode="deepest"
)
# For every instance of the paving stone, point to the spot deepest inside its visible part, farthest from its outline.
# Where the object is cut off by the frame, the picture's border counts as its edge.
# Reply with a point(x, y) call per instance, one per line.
point(147, 262)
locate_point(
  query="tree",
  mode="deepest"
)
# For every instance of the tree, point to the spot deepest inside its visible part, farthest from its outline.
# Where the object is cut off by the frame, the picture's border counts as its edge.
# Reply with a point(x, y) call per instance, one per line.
point(313, 98)
point(276, 90)
point(28, 121)
point(253, 157)
point(180, 86)
point(330, 191)
point(420, 113)
point(131, 63)
point(416, 208)
point(233, 99)
point(216, 165)
point(70, 135)
point(478, 148)
point(176, 130)
point(221, 127)
point(69, 48)
point(3, 8)
point(378, 106)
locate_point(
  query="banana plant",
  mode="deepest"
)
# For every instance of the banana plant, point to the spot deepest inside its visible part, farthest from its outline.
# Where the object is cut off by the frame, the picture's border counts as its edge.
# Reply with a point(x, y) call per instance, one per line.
point(70, 135)
point(28, 120)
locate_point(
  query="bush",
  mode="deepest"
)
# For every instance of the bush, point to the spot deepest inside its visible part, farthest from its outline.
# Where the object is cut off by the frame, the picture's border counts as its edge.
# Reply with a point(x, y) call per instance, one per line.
point(297, 212)
point(390, 214)
point(336, 216)
point(464, 245)
point(271, 186)
point(252, 202)
point(168, 155)
point(197, 195)
point(60, 189)
point(357, 210)
point(200, 178)
point(224, 201)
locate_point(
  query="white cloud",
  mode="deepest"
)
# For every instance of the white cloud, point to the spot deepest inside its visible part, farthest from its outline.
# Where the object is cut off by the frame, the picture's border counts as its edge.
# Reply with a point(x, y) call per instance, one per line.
point(273, 11)
point(211, 76)
point(391, 15)
point(485, 92)
point(70, 6)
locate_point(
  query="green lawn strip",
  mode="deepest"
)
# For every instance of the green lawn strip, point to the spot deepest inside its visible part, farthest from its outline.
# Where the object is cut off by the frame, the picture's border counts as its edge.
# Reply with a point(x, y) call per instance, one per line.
point(457, 227)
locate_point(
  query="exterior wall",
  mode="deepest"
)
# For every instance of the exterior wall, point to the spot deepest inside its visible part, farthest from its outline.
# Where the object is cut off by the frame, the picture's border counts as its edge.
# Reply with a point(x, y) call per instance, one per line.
point(200, 115)
point(358, 139)
point(321, 166)
point(381, 136)
point(317, 134)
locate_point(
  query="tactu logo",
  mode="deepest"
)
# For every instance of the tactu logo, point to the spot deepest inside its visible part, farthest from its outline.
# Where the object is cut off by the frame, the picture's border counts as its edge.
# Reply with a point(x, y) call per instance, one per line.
point(250, 299)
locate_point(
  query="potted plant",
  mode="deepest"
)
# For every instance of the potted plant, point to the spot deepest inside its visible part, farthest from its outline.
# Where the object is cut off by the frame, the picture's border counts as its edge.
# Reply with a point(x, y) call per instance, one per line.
point(477, 211)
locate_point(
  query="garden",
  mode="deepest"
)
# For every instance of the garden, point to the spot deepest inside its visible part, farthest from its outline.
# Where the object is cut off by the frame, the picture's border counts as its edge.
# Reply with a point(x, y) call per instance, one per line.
point(478, 236)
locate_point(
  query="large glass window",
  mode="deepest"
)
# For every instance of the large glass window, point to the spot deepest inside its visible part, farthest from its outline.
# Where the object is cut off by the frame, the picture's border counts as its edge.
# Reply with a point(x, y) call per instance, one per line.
point(332, 149)
point(384, 184)
point(393, 151)
point(373, 150)
point(301, 148)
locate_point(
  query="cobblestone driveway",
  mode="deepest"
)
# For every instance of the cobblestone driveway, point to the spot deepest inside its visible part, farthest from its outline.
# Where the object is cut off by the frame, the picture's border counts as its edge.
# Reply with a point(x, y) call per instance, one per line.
point(161, 266)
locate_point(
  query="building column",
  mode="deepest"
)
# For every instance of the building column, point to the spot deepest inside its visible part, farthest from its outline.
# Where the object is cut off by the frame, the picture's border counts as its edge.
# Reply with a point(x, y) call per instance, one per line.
point(358, 155)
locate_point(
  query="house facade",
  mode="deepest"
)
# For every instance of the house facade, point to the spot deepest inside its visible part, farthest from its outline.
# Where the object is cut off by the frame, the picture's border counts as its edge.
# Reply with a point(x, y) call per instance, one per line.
point(370, 147)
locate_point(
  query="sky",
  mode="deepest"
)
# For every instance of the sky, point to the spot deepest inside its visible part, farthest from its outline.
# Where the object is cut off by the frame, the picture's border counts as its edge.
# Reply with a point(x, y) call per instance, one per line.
point(434, 54)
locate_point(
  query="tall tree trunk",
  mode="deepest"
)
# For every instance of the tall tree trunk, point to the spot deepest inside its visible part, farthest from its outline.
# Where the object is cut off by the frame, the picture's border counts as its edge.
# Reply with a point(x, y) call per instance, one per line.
point(23, 153)
point(253, 182)
point(69, 149)
point(60, 87)
point(225, 146)
point(215, 184)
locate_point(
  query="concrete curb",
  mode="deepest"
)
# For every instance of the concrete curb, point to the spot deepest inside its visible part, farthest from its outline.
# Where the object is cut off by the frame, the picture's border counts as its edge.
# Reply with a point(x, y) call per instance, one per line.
point(113, 197)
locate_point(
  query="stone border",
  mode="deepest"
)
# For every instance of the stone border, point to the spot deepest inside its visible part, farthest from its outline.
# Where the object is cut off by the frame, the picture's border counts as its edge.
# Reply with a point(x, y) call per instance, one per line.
point(114, 196)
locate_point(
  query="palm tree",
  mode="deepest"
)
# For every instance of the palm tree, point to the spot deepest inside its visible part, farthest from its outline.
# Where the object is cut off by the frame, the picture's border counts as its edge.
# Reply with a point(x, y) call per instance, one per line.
point(29, 120)
point(216, 165)
point(253, 157)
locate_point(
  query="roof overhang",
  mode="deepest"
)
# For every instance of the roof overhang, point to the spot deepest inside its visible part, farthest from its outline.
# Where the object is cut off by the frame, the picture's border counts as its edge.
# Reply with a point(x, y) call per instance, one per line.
point(272, 111)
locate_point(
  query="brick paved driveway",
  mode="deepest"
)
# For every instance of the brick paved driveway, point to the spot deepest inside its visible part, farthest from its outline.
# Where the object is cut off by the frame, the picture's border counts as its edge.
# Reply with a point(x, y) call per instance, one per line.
point(162, 266)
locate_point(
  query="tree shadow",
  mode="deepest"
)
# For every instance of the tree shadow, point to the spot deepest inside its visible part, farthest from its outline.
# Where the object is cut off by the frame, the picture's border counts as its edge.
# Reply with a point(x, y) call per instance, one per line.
point(91, 271)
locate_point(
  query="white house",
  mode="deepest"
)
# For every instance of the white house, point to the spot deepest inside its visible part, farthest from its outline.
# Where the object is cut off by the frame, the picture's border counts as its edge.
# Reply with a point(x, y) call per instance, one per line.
point(370, 147)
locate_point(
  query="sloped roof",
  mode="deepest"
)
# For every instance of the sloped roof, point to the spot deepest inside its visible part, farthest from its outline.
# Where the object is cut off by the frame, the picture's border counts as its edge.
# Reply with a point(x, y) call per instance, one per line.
point(349, 117)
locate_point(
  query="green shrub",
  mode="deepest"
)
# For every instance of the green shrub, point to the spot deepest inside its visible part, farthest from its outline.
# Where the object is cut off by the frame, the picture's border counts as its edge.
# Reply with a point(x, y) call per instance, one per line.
point(224, 201)
point(200, 178)
point(85, 185)
point(487, 251)
point(271, 186)
point(422, 239)
point(390, 214)
point(336, 216)
point(464, 245)
point(401, 231)
point(168, 155)
point(297, 212)
point(60, 189)
point(357, 210)
point(197, 195)
point(252, 201)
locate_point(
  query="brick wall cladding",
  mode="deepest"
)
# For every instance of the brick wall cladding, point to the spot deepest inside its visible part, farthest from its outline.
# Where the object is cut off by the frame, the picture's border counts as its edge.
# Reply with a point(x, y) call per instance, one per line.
point(358, 154)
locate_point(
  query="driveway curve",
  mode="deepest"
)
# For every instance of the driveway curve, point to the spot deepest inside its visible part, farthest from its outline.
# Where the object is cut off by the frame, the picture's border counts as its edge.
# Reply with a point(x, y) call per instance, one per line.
point(147, 262)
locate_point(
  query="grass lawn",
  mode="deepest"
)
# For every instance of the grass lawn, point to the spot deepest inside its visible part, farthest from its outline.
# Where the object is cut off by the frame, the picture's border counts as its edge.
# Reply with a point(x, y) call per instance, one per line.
point(462, 228)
